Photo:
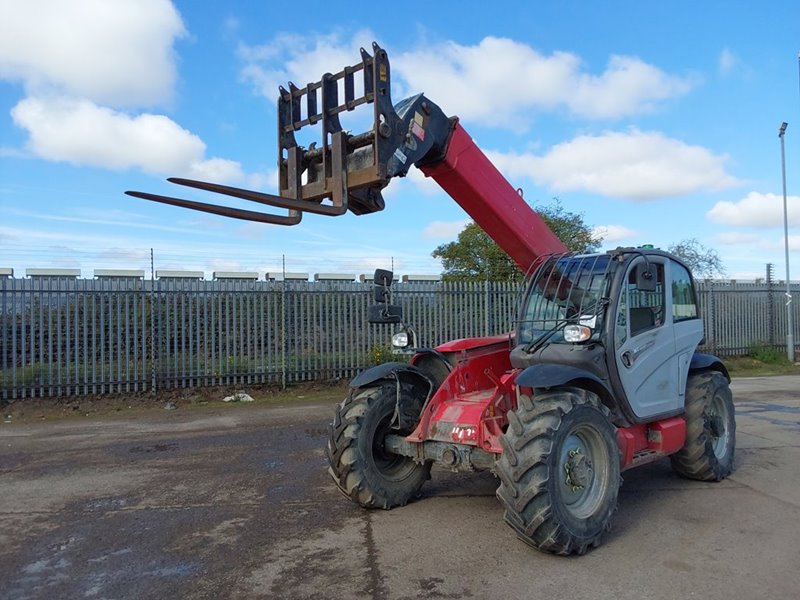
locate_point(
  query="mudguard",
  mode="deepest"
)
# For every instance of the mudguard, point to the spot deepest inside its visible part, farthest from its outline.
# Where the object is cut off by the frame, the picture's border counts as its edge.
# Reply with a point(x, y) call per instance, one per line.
point(389, 370)
point(413, 390)
point(708, 362)
point(548, 375)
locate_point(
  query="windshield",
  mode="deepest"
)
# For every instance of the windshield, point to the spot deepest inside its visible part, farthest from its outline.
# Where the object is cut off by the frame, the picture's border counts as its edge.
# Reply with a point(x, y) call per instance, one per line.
point(564, 289)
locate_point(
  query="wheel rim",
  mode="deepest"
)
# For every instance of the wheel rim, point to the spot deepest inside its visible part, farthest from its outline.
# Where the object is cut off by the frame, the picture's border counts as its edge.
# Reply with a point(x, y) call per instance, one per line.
point(716, 424)
point(392, 467)
point(583, 471)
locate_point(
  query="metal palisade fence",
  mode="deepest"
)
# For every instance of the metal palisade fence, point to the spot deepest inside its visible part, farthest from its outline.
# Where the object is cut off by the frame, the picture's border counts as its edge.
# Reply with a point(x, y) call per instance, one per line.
point(66, 336)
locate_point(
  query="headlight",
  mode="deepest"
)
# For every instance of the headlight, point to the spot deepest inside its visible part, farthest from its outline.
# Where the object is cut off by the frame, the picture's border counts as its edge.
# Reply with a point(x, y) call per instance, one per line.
point(577, 333)
point(400, 339)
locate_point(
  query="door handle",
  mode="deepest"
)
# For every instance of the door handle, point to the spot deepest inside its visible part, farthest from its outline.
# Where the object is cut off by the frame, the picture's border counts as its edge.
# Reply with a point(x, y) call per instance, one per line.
point(627, 358)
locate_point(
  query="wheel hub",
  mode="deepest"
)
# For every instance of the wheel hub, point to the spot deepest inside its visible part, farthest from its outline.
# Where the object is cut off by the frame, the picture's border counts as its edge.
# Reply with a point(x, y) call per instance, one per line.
point(715, 425)
point(578, 470)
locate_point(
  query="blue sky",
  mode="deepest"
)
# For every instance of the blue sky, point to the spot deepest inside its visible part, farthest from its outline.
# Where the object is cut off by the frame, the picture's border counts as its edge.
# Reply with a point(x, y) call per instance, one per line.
point(657, 121)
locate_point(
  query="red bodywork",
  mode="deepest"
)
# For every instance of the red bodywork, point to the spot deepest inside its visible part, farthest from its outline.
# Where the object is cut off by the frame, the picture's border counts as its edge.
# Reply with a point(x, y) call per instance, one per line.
point(471, 405)
point(644, 443)
point(481, 190)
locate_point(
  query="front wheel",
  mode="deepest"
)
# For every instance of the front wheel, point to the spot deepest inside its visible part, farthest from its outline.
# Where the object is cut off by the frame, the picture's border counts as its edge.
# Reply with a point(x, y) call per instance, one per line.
point(559, 471)
point(362, 468)
point(707, 454)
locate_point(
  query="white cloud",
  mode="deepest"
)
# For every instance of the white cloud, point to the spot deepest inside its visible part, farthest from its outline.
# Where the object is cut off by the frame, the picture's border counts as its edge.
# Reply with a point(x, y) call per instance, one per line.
point(736, 238)
point(747, 275)
point(77, 58)
point(83, 133)
point(728, 61)
point(368, 264)
point(628, 86)
point(222, 264)
point(498, 81)
point(112, 218)
point(771, 248)
point(215, 169)
point(414, 184)
point(756, 210)
point(614, 233)
point(444, 229)
point(635, 165)
point(118, 53)
point(423, 184)
point(295, 58)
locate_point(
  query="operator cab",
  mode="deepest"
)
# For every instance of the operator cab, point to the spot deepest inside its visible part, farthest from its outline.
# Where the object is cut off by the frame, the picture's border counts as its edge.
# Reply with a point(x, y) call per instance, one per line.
point(627, 319)
point(565, 301)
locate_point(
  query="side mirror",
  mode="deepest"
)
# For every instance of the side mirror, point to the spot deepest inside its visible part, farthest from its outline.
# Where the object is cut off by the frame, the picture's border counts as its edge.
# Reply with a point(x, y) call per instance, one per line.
point(383, 277)
point(382, 280)
point(381, 295)
point(646, 278)
point(385, 313)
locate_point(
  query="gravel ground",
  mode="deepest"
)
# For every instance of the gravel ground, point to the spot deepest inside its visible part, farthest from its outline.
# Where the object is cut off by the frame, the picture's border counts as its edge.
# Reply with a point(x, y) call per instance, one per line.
point(235, 503)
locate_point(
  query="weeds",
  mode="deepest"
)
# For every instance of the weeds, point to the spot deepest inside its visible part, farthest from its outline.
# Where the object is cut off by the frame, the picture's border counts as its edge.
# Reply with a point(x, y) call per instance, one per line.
point(768, 354)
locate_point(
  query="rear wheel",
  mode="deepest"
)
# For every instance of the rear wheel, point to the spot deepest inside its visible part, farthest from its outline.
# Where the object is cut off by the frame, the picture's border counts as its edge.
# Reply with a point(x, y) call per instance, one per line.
point(707, 454)
point(559, 471)
point(362, 468)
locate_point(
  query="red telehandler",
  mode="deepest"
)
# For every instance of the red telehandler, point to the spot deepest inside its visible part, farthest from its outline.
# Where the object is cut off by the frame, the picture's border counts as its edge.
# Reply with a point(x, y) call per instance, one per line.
point(600, 375)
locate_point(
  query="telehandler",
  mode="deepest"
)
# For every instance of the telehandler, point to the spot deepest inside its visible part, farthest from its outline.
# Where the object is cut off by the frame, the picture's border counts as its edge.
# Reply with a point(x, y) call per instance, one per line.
point(601, 374)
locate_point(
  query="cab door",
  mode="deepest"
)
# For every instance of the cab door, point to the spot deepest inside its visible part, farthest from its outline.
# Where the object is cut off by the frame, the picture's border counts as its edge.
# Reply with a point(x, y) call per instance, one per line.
point(644, 341)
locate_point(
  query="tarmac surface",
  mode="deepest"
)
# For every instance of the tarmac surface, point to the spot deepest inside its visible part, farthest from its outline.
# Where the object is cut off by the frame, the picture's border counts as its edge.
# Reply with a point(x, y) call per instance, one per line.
point(236, 503)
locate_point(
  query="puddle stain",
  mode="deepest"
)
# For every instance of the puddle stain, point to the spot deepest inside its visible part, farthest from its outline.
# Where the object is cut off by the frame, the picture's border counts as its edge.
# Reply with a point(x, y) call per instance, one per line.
point(153, 448)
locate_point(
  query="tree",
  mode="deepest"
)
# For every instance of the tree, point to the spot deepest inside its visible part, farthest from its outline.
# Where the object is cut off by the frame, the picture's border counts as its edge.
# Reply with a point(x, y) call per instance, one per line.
point(703, 262)
point(474, 256)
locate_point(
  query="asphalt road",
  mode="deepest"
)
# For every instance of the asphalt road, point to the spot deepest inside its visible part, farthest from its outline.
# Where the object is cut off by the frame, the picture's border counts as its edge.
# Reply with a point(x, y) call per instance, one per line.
point(236, 503)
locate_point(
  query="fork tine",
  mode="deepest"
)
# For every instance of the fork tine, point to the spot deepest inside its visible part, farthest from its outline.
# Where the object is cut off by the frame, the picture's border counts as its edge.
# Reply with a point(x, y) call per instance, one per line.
point(293, 218)
point(261, 197)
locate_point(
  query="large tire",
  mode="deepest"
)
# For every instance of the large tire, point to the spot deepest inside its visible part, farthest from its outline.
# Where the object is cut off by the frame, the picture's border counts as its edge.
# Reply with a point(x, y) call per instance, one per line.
point(359, 463)
point(707, 454)
point(559, 471)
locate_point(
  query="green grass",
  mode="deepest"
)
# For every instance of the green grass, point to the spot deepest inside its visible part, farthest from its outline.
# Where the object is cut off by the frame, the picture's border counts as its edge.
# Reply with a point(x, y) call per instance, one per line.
point(762, 360)
point(749, 366)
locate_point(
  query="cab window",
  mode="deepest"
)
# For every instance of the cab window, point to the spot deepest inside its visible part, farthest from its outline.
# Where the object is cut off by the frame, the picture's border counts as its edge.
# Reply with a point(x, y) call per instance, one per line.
point(639, 309)
point(684, 301)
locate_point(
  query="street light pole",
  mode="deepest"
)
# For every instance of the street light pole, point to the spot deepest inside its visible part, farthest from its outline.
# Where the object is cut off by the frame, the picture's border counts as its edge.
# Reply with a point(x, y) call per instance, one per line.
point(789, 319)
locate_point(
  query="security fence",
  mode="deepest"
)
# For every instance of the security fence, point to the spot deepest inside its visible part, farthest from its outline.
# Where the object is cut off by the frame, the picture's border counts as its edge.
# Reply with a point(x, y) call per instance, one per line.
point(66, 336)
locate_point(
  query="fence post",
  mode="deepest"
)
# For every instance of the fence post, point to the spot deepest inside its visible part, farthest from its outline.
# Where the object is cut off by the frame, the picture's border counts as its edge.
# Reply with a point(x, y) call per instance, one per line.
point(487, 302)
point(771, 303)
point(283, 325)
point(152, 325)
point(711, 316)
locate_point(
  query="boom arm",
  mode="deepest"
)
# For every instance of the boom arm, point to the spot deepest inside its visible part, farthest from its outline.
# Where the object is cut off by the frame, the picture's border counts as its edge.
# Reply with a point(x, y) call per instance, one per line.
point(348, 172)
point(471, 179)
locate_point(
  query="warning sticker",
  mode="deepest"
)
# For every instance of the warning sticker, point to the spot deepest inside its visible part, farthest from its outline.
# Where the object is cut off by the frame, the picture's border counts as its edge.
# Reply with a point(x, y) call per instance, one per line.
point(419, 119)
point(400, 156)
point(418, 131)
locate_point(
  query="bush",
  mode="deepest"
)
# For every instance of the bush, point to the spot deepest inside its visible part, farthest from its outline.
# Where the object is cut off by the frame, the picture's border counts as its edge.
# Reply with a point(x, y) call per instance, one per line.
point(768, 354)
point(380, 354)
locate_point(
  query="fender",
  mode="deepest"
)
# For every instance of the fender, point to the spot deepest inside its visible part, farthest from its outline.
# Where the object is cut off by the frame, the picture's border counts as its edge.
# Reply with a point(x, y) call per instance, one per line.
point(414, 388)
point(708, 362)
point(548, 375)
point(433, 364)
point(389, 370)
